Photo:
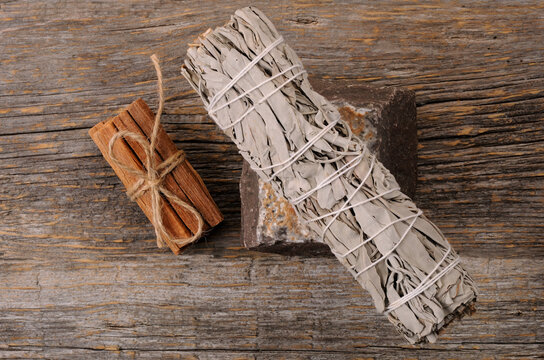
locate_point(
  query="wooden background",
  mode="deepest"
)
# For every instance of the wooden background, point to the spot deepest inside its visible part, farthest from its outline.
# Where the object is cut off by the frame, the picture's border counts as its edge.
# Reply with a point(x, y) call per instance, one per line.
point(80, 274)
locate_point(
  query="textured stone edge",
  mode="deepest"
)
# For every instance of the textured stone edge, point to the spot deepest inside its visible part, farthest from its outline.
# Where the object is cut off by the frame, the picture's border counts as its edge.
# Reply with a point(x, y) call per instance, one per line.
point(380, 115)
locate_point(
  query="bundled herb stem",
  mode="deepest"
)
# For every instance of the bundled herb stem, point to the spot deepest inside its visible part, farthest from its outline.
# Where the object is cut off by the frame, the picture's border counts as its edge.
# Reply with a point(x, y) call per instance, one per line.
point(254, 86)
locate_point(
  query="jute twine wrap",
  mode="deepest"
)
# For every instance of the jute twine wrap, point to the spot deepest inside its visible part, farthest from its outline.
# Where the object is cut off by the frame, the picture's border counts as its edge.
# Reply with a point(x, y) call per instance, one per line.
point(151, 179)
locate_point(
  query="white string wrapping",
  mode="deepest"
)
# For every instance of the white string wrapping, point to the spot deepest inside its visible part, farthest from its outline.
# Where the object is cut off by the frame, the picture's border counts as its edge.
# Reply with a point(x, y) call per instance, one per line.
point(350, 164)
point(267, 87)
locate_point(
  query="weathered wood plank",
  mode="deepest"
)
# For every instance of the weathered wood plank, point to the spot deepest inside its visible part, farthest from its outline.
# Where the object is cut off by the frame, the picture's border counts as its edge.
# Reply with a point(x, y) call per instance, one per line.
point(477, 70)
point(145, 303)
point(67, 227)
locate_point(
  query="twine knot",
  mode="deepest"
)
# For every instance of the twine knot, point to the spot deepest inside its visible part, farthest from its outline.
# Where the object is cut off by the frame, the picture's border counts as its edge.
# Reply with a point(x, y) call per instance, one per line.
point(152, 177)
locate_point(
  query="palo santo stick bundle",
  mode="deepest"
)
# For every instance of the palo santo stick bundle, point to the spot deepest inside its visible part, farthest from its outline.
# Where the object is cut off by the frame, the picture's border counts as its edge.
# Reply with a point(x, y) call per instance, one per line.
point(178, 221)
point(255, 88)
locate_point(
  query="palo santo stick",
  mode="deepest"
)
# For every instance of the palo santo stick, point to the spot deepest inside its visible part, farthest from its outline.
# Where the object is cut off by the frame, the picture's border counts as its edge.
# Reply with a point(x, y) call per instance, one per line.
point(101, 135)
point(179, 223)
point(124, 121)
point(188, 179)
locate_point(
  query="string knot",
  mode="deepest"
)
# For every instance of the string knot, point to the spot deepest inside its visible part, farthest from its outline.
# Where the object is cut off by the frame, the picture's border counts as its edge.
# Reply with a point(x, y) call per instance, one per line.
point(151, 178)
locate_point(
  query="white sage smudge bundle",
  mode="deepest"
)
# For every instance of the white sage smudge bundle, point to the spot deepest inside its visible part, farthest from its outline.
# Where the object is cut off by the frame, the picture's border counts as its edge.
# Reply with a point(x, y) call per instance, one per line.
point(255, 88)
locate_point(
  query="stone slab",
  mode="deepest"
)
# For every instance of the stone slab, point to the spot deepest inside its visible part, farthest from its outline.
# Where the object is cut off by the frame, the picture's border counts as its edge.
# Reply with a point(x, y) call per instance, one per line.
point(385, 117)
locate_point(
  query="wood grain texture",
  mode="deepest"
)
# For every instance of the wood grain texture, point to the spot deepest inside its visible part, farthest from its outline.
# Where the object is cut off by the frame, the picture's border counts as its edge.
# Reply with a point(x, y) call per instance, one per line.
point(266, 304)
point(81, 276)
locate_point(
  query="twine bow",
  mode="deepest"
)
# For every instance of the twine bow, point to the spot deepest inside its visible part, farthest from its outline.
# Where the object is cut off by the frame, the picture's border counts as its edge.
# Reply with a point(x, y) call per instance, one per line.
point(152, 177)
